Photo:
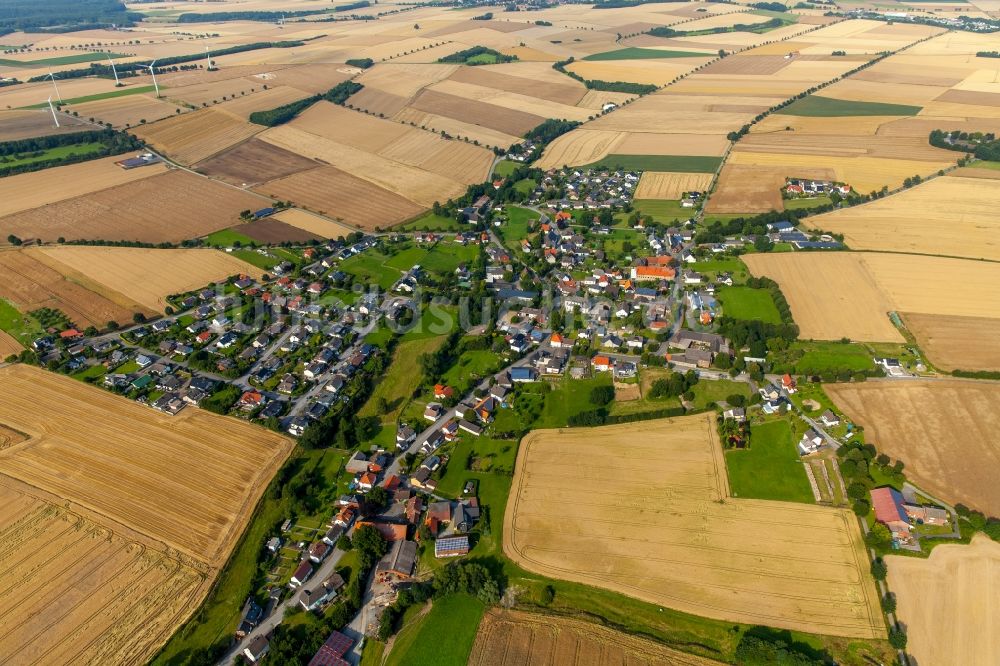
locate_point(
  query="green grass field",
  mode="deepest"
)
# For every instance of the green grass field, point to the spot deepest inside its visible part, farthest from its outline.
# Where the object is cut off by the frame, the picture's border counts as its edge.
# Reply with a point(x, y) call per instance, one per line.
point(806, 203)
point(59, 152)
point(505, 167)
point(21, 327)
point(684, 163)
point(59, 60)
point(471, 366)
point(369, 267)
point(432, 222)
point(441, 637)
point(770, 469)
point(398, 382)
point(482, 59)
point(435, 320)
point(812, 356)
point(663, 210)
point(635, 53)
point(138, 90)
point(228, 238)
point(818, 106)
point(749, 304)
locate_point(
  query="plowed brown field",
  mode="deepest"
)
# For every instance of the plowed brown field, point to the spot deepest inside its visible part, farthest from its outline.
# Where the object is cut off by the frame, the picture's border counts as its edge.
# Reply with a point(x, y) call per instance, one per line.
point(671, 534)
point(193, 137)
point(254, 162)
point(516, 638)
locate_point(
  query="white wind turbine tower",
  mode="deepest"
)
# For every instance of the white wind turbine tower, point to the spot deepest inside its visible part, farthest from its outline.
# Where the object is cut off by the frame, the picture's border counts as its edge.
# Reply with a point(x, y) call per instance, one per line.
point(153, 74)
point(114, 71)
point(208, 56)
point(53, 110)
point(53, 77)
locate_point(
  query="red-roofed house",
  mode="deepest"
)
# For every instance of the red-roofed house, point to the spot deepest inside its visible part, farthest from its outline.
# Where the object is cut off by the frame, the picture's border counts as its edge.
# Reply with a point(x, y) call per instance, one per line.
point(640, 273)
point(331, 653)
point(601, 363)
point(392, 483)
point(441, 391)
point(788, 383)
point(389, 531)
point(71, 334)
point(888, 505)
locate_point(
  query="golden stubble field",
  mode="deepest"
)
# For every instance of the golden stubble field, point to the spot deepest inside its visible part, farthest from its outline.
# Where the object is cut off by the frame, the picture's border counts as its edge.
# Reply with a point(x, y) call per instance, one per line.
point(110, 536)
point(144, 275)
point(668, 532)
point(951, 216)
point(516, 638)
point(949, 603)
point(945, 431)
point(849, 294)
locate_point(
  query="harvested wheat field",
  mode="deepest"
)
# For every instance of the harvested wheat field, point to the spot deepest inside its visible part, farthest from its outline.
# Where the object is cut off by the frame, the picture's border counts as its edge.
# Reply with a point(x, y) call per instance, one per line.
point(193, 137)
point(254, 162)
point(9, 345)
point(172, 206)
point(794, 566)
point(110, 538)
point(77, 591)
point(752, 189)
point(831, 295)
point(955, 217)
point(949, 603)
point(29, 282)
point(579, 147)
point(517, 638)
point(145, 275)
point(946, 432)
point(130, 464)
point(957, 343)
point(664, 185)
point(38, 188)
point(339, 195)
point(314, 224)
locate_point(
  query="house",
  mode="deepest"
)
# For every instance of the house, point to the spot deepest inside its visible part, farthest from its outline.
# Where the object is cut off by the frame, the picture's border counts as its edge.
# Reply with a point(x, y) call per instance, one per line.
point(433, 411)
point(451, 546)
point(366, 482)
point(829, 419)
point(405, 436)
point(892, 366)
point(810, 443)
point(256, 650)
point(318, 552)
point(738, 414)
point(601, 363)
point(301, 574)
point(788, 383)
point(470, 428)
point(332, 652)
point(389, 531)
point(522, 375)
point(357, 464)
point(442, 392)
point(250, 400)
point(316, 596)
point(274, 544)
point(888, 505)
point(400, 561)
point(333, 535)
point(927, 515)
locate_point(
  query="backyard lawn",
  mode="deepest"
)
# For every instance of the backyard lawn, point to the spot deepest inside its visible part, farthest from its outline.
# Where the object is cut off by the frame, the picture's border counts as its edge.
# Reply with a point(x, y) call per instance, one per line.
point(770, 469)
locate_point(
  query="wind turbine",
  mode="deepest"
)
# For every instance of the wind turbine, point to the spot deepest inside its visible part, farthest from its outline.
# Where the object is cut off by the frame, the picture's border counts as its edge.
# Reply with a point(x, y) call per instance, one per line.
point(153, 74)
point(208, 56)
point(53, 110)
point(114, 71)
point(53, 77)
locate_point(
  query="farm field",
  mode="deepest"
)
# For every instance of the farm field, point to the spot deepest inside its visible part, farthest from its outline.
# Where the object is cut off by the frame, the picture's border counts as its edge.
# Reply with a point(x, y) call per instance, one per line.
point(666, 185)
point(917, 422)
point(105, 596)
point(812, 552)
point(831, 295)
point(120, 559)
point(30, 282)
point(143, 275)
point(516, 638)
point(170, 206)
point(750, 304)
point(130, 110)
point(957, 218)
point(38, 188)
point(313, 223)
point(201, 517)
point(270, 231)
point(24, 124)
point(254, 162)
point(955, 342)
point(343, 197)
point(770, 469)
point(198, 135)
point(947, 602)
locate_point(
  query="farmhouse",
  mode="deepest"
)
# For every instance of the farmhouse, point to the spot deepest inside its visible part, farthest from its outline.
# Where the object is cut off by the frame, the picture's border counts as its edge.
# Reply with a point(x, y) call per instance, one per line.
point(400, 561)
point(888, 505)
point(451, 546)
point(810, 443)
